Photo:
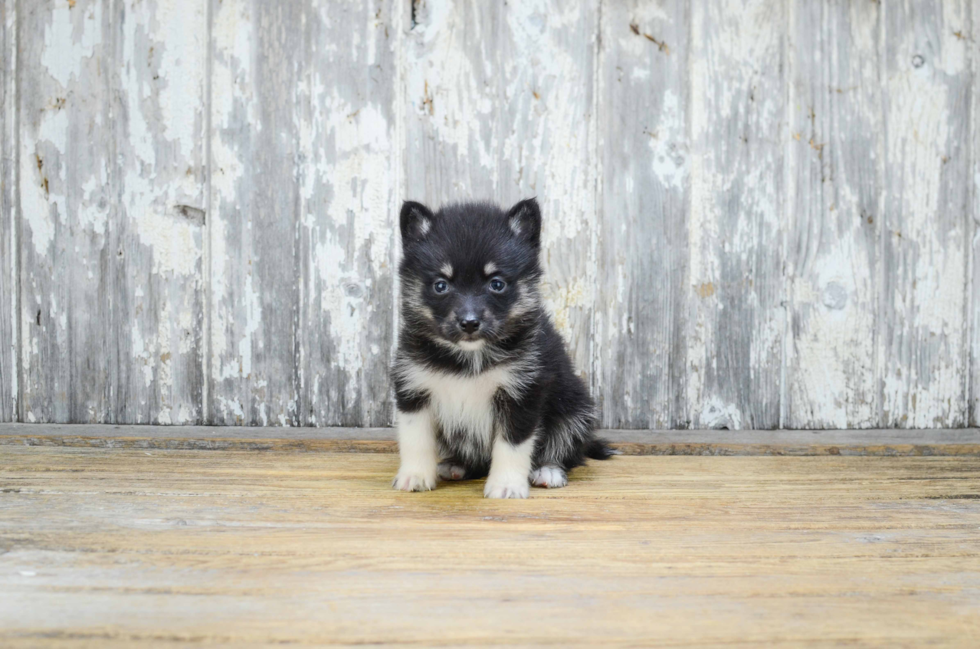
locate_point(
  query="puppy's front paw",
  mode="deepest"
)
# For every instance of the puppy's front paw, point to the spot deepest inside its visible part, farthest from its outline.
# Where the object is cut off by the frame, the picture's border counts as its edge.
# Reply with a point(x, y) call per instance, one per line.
point(501, 489)
point(412, 480)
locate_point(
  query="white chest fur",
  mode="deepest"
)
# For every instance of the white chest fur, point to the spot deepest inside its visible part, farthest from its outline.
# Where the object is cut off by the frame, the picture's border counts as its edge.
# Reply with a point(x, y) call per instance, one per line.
point(463, 405)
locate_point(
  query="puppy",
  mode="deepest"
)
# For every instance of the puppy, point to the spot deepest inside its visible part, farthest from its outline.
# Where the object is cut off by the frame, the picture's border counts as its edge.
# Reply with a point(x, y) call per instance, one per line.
point(483, 384)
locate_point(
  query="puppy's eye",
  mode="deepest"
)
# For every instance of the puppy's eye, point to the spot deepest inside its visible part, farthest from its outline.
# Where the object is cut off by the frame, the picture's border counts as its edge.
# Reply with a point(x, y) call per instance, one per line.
point(441, 286)
point(497, 285)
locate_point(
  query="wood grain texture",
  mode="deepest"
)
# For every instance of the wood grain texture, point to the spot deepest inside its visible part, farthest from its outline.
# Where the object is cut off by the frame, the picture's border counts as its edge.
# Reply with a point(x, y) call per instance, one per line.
point(8, 197)
point(757, 214)
point(302, 197)
point(642, 285)
point(835, 214)
point(156, 288)
point(247, 549)
point(500, 106)
point(257, 74)
point(737, 112)
point(111, 169)
point(922, 347)
point(349, 181)
point(66, 184)
point(973, 280)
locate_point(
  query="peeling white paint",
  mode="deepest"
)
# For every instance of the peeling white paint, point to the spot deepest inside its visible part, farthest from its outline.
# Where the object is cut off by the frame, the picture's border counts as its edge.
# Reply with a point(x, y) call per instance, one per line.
point(499, 101)
point(71, 37)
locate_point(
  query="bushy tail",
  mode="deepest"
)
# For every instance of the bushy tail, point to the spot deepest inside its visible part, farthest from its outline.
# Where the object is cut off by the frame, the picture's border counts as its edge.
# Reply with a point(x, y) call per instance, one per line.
point(599, 449)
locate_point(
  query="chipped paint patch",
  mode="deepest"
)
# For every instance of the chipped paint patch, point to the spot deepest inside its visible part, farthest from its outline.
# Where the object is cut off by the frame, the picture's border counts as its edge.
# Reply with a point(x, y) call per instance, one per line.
point(705, 289)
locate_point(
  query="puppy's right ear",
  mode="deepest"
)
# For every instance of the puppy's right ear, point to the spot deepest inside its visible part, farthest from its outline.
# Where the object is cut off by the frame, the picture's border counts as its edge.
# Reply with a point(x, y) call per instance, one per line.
point(416, 221)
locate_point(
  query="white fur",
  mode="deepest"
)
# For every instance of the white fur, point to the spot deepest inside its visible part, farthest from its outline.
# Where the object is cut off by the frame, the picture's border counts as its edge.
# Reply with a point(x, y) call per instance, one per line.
point(510, 467)
point(515, 224)
point(424, 226)
point(418, 451)
point(490, 268)
point(471, 345)
point(447, 271)
point(551, 477)
point(464, 404)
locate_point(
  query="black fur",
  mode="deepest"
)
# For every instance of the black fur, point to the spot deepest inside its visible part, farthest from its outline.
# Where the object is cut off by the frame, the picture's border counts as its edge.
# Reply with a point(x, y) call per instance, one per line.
point(551, 401)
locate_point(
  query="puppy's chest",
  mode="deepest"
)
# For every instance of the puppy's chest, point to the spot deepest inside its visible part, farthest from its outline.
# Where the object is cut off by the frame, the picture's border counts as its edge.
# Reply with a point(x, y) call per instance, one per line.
point(464, 404)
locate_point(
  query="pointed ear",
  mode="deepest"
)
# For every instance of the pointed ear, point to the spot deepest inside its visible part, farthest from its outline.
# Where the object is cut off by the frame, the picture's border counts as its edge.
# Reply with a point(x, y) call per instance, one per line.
point(416, 221)
point(524, 220)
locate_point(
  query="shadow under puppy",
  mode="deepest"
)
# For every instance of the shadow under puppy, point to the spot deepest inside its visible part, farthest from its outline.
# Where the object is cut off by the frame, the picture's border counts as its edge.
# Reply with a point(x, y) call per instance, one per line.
point(483, 384)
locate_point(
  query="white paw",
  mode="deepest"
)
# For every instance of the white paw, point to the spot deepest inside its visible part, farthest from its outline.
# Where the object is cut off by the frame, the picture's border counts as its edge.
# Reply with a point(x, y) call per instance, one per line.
point(448, 471)
point(550, 477)
point(495, 489)
point(408, 480)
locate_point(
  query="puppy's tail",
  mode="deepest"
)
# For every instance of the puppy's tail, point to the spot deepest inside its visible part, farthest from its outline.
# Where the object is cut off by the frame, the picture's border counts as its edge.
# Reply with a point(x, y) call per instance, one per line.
point(599, 449)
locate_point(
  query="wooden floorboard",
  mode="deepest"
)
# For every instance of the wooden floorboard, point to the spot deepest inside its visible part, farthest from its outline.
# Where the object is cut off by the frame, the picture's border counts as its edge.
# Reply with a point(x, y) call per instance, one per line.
point(109, 548)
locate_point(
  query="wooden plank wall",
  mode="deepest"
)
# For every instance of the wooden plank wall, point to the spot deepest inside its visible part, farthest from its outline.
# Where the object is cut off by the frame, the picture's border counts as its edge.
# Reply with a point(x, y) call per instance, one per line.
point(760, 214)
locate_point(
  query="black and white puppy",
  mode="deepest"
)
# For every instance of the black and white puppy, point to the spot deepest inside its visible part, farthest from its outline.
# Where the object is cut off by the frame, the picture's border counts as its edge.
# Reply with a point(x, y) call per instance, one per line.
point(483, 383)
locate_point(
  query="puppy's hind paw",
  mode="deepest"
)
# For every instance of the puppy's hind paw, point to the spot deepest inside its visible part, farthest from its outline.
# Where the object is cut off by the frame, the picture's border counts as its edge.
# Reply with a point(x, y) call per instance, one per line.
point(414, 481)
point(550, 477)
point(506, 490)
point(450, 471)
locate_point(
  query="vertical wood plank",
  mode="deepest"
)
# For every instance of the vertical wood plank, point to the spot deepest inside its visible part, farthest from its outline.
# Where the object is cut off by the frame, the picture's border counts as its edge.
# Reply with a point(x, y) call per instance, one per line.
point(111, 165)
point(452, 81)
point(65, 161)
point(256, 200)
point(347, 231)
point(8, 178)
point(500, 99)
point(156, 286)
point(736, 290)
point(302, 199)
point(836, 159)
point(922, 348)
point(973, 418)
point(643, 286)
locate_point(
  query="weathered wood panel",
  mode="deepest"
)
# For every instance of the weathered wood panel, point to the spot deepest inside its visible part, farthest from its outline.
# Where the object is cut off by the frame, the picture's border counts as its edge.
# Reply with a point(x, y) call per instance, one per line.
point(111, 169)
point(834, 214)
point(67, 201)
point(737, 117)
point(257, 73)
point(349, 188)
point(757, 214)
point(642, 285)
point(8, 197)
point(500, 106)
point(973, 284)
point(156, 289)
point(922, 344)
point(302, 191)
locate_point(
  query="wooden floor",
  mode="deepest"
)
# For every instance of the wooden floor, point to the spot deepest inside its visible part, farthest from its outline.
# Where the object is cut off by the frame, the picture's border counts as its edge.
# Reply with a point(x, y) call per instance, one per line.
point(107, 548)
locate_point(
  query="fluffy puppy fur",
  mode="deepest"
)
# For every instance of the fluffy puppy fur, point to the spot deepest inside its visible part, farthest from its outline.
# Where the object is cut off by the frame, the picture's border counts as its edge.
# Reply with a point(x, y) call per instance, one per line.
point(483, 384)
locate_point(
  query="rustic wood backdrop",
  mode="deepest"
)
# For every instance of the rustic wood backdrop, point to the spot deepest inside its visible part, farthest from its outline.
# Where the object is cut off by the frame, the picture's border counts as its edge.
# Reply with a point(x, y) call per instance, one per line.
point(759, 213)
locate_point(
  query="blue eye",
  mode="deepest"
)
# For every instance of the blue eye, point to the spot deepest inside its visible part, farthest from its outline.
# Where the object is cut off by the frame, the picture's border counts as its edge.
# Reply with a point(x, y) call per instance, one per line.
point(441, 286)
point(497, 285)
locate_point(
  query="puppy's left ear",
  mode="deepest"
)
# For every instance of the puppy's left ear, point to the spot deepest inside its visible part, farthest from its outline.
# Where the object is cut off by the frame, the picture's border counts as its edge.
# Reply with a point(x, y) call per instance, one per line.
point(524, 220)
point(416, 221)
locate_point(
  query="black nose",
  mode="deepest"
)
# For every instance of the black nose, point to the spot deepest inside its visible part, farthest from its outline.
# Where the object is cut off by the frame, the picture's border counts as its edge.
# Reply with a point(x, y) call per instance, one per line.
point(469, 325)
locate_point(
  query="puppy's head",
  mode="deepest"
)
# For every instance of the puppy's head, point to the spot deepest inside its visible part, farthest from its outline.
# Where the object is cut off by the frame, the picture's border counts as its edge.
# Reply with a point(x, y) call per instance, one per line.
point(470, 271)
